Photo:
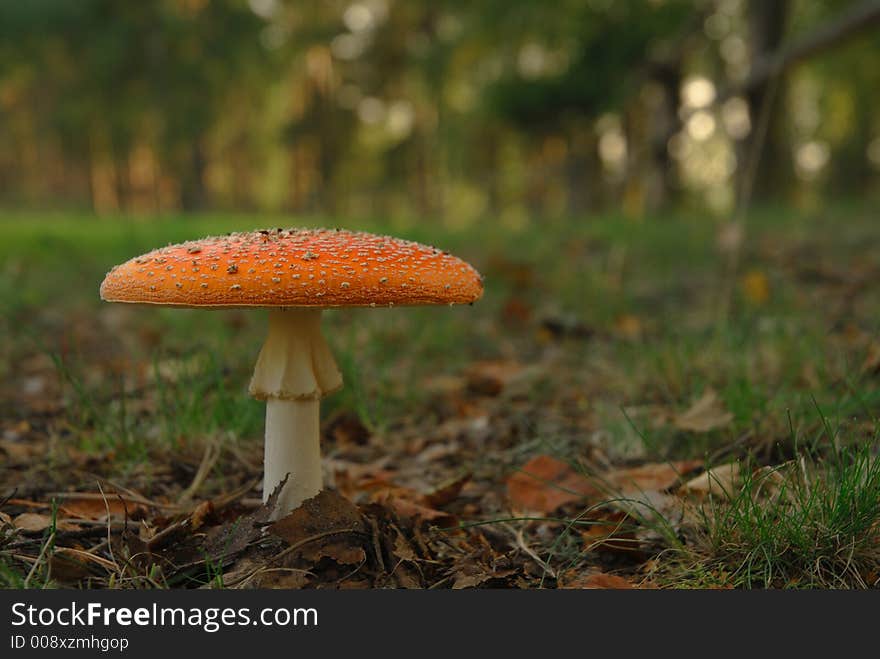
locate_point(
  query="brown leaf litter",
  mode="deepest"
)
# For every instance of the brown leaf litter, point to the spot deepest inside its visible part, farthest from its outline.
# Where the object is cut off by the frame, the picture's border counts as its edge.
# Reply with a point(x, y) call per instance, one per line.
point(545, 484)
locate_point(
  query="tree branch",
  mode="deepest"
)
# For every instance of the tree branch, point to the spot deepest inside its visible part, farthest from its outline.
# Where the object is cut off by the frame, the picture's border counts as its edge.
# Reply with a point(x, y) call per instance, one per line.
point(859, 18)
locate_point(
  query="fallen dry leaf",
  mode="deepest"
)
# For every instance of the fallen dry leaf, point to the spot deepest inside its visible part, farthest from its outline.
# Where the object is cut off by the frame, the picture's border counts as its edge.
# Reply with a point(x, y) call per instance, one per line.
point(706, 414)
point(444, 384)
point(473, 576)
point(489, 378)
point(34, 522)
point(19, 452)
point(613, 531)
point(628, 326)
point(351, 479)
point(202, 513)
point(871, 363)
point(408, 508)
point(657, 513)
point(653, 476)
point(222, 541)
point(723, 479)
point(327, 525)
point(406, 501)
point(285, 579)
point(480, 567)
point(69, 565)
point(411, 504)
point(347, 428)
point(596, 580)
point(402, 548)
point(516, 310)
point(544, 484)
point(771, 481)
point(447, 492)
point(94, 506)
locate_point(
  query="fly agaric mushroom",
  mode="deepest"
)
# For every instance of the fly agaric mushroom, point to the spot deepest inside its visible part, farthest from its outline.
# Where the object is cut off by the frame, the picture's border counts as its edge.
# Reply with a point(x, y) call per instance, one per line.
point(295, 274)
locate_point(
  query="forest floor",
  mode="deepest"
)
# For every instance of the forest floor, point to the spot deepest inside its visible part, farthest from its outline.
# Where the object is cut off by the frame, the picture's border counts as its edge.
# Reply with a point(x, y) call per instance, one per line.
point(673, 403)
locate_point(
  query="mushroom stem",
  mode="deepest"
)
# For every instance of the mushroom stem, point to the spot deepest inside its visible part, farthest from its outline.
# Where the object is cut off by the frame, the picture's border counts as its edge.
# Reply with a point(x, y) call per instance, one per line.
point(294, 370)
point(293, 450)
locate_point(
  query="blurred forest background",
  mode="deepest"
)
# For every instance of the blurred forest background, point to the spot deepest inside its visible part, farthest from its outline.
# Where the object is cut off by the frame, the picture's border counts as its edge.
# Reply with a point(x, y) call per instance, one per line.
point(449, 109)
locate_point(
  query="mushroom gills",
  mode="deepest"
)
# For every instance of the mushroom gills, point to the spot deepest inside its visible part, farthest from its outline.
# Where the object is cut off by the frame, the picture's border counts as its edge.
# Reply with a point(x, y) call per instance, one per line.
point(295, 361)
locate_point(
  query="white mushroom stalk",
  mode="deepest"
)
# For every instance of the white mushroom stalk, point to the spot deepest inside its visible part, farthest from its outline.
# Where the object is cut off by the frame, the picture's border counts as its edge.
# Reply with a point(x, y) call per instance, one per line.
point(294, 370)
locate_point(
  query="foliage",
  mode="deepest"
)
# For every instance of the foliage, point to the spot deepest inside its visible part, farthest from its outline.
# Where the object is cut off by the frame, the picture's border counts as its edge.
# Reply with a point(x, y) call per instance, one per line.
point(452, 109)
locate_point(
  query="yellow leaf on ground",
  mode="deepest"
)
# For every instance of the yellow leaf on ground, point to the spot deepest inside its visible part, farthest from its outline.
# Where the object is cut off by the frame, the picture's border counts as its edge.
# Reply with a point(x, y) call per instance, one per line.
point(756, 287)
point(628, 326)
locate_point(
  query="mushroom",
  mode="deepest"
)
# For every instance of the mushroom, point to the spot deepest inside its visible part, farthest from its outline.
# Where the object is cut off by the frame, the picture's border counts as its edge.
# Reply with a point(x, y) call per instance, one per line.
point(295, 273)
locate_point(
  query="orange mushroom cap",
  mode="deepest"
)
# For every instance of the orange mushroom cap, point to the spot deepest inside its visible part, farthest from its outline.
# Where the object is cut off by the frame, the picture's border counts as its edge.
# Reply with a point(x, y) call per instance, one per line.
point(294, 268)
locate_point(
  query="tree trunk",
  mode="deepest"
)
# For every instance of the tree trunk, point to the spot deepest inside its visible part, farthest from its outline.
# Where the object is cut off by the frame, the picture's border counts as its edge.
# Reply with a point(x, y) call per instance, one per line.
point(770, 166)
point(582, 171)
point(193, 195)
point(121, 177)
point(664, 121)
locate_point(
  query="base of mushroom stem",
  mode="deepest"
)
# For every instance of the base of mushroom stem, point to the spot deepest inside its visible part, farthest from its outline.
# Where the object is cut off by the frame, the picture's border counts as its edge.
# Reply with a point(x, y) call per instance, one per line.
point(293, 450)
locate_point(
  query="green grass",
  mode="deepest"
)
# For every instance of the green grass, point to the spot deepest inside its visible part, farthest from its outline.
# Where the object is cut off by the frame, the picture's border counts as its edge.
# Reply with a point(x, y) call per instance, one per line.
point(807, 524)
